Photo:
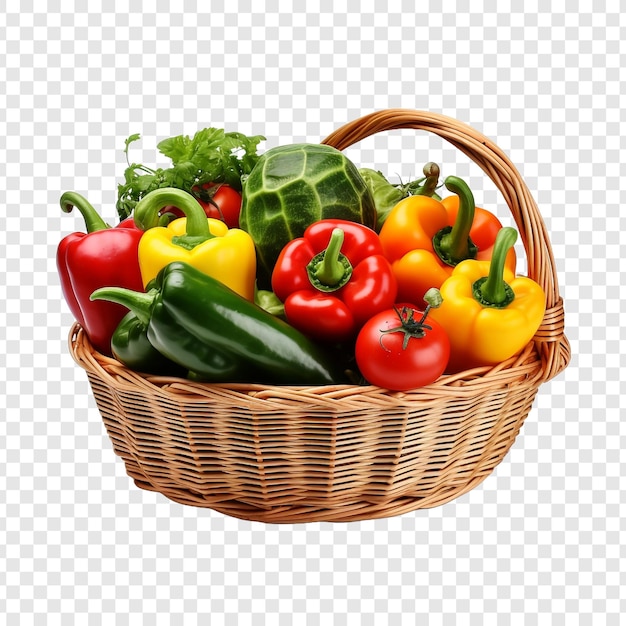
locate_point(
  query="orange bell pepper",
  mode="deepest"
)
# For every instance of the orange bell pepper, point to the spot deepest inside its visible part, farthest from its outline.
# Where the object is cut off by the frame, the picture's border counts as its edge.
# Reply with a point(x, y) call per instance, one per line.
point(424, 239)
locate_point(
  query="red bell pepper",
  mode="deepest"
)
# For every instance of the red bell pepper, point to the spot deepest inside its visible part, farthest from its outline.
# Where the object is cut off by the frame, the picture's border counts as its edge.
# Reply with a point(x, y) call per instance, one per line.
point(102, 257)
point(333, 279)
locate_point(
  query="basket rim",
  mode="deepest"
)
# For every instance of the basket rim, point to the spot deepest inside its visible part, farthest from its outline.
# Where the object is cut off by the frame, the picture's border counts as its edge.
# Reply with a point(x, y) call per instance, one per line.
point(524, 368)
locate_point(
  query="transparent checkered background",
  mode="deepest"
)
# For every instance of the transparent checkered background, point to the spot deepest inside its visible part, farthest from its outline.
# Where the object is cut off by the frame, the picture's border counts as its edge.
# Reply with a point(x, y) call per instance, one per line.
point(542, 539)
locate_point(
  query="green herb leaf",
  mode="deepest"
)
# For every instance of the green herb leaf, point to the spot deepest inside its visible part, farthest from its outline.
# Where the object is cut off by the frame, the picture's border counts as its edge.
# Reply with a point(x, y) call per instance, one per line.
point(129, 140)
point(211, 155)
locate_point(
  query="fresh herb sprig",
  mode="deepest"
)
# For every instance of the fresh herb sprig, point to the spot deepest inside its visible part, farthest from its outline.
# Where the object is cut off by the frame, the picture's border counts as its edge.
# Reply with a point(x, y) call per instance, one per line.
point(211, 155)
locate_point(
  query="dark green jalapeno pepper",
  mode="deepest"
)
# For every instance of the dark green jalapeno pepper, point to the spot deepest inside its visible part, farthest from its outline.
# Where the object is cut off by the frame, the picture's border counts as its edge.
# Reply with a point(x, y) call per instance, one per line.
point(219, 336)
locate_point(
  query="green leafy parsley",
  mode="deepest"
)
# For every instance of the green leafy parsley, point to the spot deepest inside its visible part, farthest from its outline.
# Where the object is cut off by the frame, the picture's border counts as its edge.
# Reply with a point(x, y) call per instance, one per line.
point(210, 156)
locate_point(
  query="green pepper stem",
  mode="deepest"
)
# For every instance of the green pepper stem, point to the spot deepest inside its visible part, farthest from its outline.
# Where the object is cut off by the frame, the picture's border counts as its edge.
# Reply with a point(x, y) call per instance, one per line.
point(330, 270)
point(426, 186)
point(431, 171)
point(93, 221)
point(147, 216)
point(494, 291)
point(136, 301)
point(453, 244)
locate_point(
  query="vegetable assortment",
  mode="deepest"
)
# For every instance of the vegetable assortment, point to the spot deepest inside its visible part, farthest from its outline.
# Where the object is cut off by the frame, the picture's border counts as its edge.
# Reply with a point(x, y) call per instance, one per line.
point(294, 267)
point(207, 159)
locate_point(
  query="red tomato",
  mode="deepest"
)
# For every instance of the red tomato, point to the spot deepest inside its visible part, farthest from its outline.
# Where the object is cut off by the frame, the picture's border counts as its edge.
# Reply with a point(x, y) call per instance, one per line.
point(218, 201)
point(399, 349)
point(223, 204)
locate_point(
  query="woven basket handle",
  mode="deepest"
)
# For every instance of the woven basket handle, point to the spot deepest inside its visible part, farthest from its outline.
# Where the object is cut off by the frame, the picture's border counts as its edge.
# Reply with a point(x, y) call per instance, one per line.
point(552, 343)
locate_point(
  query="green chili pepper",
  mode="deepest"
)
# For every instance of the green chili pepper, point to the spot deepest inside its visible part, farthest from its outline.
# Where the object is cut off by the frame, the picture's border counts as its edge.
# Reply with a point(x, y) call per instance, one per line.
point(219, 336)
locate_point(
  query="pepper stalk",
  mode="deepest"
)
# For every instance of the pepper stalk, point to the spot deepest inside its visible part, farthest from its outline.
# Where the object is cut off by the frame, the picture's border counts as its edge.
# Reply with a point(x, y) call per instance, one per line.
point(137, 302)
point(492, 290)
point(146, 215)
point(453, 243)
point(330, 270)
point(93, 221)
point(428, 184)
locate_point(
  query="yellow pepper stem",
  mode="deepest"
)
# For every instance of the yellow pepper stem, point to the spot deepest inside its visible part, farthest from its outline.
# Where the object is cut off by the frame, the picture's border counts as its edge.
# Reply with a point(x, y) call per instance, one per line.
point(146, 214)
point(492, 290)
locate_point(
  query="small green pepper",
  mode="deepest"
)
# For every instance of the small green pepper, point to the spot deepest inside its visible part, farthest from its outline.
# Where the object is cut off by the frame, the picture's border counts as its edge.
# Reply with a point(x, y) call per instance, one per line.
point(130, 345)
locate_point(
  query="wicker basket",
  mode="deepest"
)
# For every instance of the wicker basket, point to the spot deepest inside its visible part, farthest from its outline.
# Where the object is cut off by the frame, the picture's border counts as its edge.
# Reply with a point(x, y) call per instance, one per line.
point(337, 453)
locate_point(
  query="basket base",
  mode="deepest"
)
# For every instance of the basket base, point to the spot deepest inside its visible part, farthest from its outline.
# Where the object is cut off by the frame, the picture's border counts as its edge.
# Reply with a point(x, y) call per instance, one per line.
point(332, 454)
point(349, 512)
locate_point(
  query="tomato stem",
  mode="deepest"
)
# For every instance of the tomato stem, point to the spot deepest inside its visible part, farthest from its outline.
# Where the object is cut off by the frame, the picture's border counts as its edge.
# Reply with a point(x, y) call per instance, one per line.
point(408, 325)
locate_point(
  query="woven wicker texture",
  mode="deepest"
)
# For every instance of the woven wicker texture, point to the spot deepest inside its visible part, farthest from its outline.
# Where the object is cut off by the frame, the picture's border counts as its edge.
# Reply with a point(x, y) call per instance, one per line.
point(337, 453)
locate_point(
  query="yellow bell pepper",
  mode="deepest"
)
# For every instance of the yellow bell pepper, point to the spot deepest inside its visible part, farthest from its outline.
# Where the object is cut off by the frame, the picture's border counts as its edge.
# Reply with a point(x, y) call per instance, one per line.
point(489, 313)
point(207, 244)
